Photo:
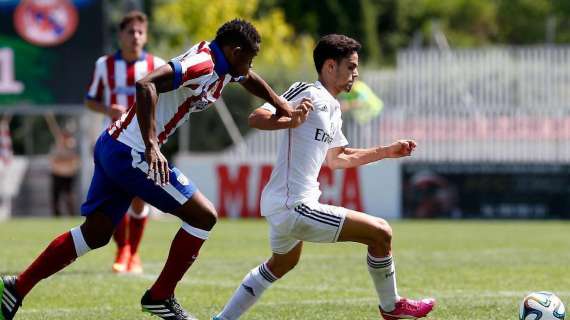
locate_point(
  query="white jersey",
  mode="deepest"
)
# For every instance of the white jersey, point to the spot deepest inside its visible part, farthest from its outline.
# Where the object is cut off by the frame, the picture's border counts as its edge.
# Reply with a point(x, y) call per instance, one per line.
point(198, 82)
point(303, 150)
point(114, 79)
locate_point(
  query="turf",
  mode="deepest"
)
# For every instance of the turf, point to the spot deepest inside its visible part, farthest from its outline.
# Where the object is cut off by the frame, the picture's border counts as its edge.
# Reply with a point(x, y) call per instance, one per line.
point(476, 270)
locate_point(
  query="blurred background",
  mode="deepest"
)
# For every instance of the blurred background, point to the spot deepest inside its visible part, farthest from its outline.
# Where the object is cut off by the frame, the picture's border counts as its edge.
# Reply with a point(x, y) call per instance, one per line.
point(483, 86)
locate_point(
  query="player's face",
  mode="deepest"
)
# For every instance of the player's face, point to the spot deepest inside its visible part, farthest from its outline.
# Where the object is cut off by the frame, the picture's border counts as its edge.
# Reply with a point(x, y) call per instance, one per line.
point(240, 61)
point(133, 37)
point(346, 72)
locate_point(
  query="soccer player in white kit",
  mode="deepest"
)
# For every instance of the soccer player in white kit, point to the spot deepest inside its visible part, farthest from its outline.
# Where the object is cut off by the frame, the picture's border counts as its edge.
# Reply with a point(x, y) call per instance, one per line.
point(289, 201)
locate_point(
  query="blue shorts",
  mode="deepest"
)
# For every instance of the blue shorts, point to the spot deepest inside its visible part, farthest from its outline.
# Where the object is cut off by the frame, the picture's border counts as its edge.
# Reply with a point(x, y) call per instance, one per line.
point(121, 174)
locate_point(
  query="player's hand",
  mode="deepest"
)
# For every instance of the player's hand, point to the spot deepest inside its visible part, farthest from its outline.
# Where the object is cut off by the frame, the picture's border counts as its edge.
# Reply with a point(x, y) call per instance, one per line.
point(282, 109)
point(157, 165)
point(401, 148)
point(115, 111)
point(301, 113)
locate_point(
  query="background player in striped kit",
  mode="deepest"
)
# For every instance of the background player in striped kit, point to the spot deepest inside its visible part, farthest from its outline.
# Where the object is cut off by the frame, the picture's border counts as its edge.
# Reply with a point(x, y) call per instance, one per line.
point(128, 162)
point(111, 92)
point(290, 200)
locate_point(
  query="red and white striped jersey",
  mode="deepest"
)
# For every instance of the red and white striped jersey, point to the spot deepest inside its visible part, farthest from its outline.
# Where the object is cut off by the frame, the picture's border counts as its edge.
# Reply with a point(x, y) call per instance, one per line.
point(200, 74)
point(114, 79)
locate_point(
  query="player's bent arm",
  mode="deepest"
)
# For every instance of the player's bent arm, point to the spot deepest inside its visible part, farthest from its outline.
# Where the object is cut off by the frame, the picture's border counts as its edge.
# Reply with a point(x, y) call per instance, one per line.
point(258, 87)
point(342, 157)
point(264, 119)
point(95, 106)
point(159, 81)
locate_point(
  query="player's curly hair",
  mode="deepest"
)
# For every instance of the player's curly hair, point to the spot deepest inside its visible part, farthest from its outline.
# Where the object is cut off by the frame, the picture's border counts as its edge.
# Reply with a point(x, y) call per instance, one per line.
point(334, 46)
point(239, 32)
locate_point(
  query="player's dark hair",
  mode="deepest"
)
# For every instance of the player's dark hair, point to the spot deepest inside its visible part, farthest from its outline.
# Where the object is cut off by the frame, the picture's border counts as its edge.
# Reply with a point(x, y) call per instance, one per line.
point(239, 33)
point(132, 16)
point(334, 46)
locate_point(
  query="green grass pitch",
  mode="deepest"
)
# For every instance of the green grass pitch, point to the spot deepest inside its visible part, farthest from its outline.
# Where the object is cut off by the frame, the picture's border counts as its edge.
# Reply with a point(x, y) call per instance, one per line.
point(476, 270)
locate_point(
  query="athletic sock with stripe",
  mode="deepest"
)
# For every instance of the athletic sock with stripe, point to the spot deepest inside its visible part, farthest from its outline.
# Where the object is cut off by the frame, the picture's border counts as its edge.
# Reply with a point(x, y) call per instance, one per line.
point(249, 291)
point(383, 275)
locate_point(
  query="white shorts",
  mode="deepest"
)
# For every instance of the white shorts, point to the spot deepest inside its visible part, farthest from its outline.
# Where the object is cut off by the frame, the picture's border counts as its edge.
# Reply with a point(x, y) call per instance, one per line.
point(313, 222)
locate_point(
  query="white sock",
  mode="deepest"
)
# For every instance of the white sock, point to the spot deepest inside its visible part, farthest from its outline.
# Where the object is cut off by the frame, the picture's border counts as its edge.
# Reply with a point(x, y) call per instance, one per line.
point(81, 246)
point(249, 291)
point(141, 215)
point(383, 275)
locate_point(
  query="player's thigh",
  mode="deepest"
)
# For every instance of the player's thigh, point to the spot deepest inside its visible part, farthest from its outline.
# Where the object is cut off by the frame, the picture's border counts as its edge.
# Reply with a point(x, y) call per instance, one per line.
point(129, 170)
point(105, 196)
point(317, 222)
point(363, 228)
point(198, 211)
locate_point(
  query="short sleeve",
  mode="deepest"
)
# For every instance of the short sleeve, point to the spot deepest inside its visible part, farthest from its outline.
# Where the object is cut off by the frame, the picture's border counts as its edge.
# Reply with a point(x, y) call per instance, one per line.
point(96, 87)
point(190, 66)
point(339, 139)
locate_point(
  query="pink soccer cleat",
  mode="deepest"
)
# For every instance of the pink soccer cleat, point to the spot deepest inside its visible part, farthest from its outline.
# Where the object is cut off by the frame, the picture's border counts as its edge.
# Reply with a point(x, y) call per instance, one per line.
point(409, 309)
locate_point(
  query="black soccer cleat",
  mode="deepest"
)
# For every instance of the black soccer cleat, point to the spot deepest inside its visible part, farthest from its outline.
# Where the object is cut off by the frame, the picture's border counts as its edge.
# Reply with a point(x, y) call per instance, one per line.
point(10, 299)
point(166, 309)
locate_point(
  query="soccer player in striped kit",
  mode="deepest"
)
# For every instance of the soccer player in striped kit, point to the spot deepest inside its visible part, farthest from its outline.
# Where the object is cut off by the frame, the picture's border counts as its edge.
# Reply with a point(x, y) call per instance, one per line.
point(128, 163)
point(111, 92)
point(290, 200)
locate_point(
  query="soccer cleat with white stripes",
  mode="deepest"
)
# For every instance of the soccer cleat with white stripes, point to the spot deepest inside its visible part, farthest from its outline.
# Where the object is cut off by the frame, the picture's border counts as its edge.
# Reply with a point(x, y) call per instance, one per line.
point(166, 309)
point(10, 299)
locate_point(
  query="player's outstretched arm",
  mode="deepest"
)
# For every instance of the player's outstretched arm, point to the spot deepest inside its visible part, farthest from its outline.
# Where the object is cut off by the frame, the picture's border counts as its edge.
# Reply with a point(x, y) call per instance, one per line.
point(264, 119)
point(342, 157)
point(148, 88)
point(258, 87)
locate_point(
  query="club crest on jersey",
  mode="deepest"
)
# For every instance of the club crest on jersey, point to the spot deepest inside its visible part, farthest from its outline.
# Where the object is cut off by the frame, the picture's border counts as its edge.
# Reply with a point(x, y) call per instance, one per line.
point(200, 104)
point(181, 178)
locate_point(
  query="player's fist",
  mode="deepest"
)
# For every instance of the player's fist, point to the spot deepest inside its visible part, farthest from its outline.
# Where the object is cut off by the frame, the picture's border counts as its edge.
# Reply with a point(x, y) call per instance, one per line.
point(301, 112)
point(283, 109)
point(115, 111)
point(401, 148)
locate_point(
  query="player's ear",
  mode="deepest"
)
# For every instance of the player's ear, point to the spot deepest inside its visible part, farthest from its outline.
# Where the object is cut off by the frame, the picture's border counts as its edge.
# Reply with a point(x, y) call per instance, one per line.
point(330, 65)
point(237, 51)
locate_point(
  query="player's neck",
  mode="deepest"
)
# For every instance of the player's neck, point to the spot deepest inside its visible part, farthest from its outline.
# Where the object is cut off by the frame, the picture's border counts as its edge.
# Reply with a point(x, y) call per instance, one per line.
point(329, 86)
point(131, 56)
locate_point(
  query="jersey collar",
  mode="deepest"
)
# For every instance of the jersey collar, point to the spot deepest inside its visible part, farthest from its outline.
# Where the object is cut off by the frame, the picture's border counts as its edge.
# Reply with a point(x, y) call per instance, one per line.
point(119, 56)
point(319, 85)
point(221, 65)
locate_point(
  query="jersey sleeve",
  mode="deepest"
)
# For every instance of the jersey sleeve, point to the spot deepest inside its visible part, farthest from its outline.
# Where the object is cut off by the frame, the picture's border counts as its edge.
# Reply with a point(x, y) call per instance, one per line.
point(189, 67)
point(158, 62)
point(95, 89)
point(339, 140)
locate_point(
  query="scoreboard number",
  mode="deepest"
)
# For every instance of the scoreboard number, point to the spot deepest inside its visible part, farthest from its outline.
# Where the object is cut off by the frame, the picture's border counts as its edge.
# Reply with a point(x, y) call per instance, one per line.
point(8, 85)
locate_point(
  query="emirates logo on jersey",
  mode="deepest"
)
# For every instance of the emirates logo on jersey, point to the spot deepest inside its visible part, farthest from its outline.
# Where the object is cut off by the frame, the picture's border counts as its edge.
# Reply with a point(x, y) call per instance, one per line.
point(323, 136)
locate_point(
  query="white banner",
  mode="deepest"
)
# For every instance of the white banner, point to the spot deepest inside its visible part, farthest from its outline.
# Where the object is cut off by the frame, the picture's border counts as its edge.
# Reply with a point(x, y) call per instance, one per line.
point(235, 187)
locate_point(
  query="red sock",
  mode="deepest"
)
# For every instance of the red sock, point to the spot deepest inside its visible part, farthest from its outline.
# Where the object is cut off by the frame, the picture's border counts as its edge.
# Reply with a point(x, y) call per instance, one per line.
point(58, 254)
point(136, 230)
point(120, 235)
point(183, 251)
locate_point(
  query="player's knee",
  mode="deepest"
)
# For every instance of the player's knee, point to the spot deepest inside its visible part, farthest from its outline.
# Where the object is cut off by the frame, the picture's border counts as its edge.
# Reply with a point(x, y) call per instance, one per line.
point(383, 233)
point(211, 217)
point(205, 218)
point(97, 240)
